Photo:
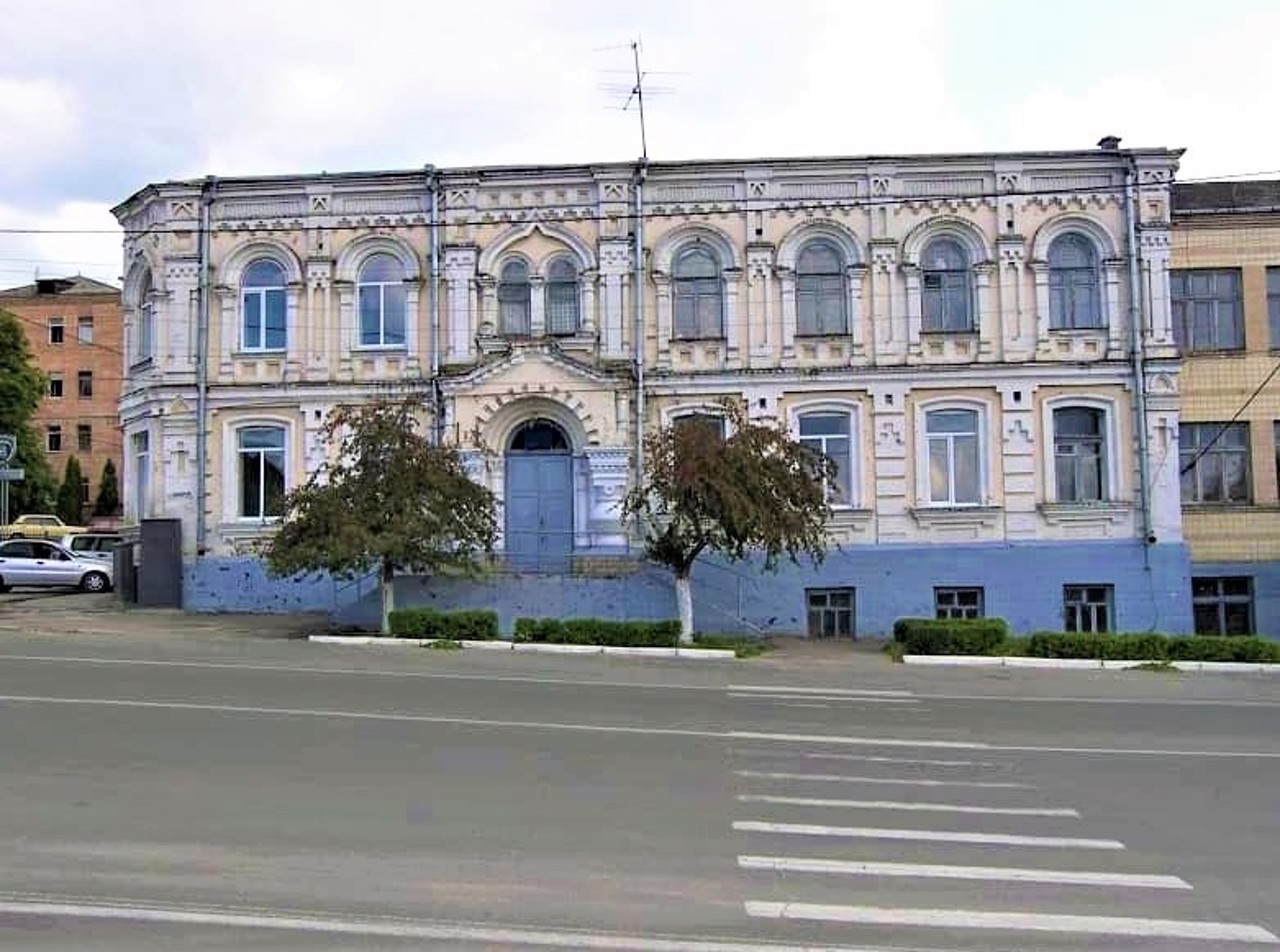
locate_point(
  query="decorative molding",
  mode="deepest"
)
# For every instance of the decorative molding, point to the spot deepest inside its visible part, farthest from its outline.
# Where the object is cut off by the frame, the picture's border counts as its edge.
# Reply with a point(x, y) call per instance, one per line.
point(957, 517)
point(705, 192)
point(930, 187)
point(825, 191)
point(1098, 515)
point(266, 208)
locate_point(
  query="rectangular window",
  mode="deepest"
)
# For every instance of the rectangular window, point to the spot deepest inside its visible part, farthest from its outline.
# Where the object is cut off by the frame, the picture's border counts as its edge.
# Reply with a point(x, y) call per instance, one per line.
point(957, 602)
point(84, 330)
point(84, 384)
point(84, 490)
point(55, 386)
point(53, 438)
point(264, 319)
point(141, 443)
point(1223, 605)
point(84, 437)
point(831, 612)
point(828, 433)
point(1078, 454)
point(57, 330)
point(954, 464)
point(1087, 608)
point(1214, 462)
point(1273, 306)
point(261, 451)
point(1207, 312)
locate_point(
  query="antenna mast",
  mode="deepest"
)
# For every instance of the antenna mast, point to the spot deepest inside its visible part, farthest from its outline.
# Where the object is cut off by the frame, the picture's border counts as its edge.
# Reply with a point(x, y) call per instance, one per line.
point(637, 93)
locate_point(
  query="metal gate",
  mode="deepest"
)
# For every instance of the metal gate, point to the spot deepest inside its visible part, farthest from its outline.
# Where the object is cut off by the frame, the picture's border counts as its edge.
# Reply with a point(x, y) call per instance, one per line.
point(539, 511)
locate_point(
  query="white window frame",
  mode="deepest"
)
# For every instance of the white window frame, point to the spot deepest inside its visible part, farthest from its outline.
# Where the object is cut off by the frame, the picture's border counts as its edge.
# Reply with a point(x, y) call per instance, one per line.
point(260, 292)
point(1110, 448)
point(1095, 270)
point(924, 497)
point(84, 329)
point(362, 286)
point(550, 284)
point(502, 329)
point(139, 460)
point(854, 413)
point(61, 324)
point(233, 504)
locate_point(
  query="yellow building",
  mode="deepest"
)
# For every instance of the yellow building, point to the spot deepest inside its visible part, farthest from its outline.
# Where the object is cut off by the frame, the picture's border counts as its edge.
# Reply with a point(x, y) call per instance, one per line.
point(1226, 311)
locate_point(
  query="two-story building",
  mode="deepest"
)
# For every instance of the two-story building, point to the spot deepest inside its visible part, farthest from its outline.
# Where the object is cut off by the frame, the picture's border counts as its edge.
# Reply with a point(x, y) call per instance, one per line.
point(1226, 310)
point(982, 342)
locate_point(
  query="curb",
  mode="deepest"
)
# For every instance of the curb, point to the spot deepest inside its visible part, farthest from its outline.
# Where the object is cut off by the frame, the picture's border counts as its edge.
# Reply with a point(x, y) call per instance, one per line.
point(533, 647)
point(1086, 664)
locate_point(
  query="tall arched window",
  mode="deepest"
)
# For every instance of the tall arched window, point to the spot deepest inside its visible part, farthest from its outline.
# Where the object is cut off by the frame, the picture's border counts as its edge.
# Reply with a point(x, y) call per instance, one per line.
point(1074, 302)
point(262, 324)
point(144, 338)
point(562, 297)
point(948, 294)
point(699, 295)
point(820, 290)
point(381, 294)
point(514, 299)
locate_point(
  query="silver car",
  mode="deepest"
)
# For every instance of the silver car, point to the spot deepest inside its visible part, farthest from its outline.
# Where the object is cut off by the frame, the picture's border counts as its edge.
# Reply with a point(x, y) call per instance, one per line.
point(47, 564)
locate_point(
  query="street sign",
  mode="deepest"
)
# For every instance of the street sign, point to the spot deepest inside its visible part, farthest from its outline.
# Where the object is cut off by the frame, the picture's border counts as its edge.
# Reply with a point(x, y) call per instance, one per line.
point(8, 447)
point(12, 475)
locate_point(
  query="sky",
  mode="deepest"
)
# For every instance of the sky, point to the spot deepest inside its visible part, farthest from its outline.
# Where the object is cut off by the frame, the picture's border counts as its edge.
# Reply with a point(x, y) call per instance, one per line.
point(99, 98)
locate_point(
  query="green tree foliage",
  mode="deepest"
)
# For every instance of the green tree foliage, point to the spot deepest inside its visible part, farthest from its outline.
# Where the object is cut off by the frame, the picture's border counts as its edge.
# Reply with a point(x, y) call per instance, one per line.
point(755, 491)
point(108, 501)
point(70, 508)
point(388, 498)
point(22, 387)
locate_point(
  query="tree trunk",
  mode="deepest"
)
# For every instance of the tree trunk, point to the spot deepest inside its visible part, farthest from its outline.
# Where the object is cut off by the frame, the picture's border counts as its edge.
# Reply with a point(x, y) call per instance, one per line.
point(684, 602)
point(388, 594)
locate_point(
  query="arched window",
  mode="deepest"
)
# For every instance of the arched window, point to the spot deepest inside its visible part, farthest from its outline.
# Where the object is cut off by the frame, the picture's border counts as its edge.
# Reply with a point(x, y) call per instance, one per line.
point(948, 297)
point(820, 290)
point(539, 436)
point(261, 452)
point(263, 306)
point(1073, 284)
point(381, 294)
point(562, 297)
point(514, 299)
point(144, 338)
point(1079, 444)
point(699, 295)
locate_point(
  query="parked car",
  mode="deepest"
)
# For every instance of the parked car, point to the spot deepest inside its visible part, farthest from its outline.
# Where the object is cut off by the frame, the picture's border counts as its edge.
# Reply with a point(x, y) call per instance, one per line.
point(34, 562)
point(93, 545)
point(38, 526)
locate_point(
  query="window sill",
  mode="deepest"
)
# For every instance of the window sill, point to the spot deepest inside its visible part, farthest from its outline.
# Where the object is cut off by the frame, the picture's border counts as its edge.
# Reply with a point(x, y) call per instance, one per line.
point(1218, 506)
point(698, 340)
point(263, 352)
point(967, 332)
point(1225, 352)
point(142, 363)
point(1078, 513)
point(957, 517)
point(380, 349)
point(832, 336)
point(1078, 331)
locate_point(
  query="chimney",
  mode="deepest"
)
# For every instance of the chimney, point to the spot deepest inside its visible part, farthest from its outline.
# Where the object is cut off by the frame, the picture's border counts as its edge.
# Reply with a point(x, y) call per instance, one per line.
point(1109, 143)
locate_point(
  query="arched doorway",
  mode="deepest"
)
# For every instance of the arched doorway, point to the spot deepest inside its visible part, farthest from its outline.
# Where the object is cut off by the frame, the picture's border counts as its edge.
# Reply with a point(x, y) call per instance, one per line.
point(539, 498)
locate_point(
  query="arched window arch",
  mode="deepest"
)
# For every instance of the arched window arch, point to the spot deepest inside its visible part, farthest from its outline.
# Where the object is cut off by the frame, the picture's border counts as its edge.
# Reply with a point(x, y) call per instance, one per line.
point(562, 297)
point(948, 287)
point(699, 294)
point(144, 338)
point(821, 299)
point(1074, 300)
point(262, 317)
point(380, 291)
point(539, 436)
point(514, 298)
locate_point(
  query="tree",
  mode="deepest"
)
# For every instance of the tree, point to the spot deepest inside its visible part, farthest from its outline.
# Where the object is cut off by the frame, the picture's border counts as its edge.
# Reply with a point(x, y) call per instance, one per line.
point(71, 494)
point(22, 387)
point(108, 501)
point(389, 498)
point(754, 490)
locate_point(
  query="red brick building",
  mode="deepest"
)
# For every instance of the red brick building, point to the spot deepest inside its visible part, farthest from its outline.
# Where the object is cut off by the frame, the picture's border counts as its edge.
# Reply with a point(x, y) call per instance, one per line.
point(75, 330)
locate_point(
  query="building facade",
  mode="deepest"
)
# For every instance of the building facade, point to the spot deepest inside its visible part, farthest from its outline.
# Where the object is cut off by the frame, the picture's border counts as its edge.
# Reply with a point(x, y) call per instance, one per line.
point(1226, 308)
point(983, 343)
point(76, 333)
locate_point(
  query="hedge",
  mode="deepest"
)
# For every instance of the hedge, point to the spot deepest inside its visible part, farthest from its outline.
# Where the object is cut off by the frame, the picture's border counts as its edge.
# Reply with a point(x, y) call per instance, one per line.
point(967, 636)
point(1152, 647)
point(471, 625)
point(598, 631)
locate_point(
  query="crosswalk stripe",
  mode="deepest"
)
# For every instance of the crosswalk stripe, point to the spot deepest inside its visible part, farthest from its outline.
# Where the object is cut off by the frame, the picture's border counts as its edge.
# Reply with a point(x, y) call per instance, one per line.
point(935, 836)
point(783, 864)
point(860, 758)
point(841, 778)
point(1029, 921)
point(906, 805)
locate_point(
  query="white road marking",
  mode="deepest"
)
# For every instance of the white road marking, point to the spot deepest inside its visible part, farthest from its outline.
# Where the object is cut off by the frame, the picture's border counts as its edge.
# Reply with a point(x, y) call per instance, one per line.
point(932, 836)
point(822, 707)
point(402, 929)
point(847, 692)
point(905, 805)
point(1029, 921)
point(1000, 874)
point(861, 758)
point(787, 696)
point(889, 781)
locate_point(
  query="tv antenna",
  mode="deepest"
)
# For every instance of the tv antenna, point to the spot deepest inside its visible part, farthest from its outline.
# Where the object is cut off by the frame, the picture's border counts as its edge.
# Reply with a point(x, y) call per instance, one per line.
point(636, 91)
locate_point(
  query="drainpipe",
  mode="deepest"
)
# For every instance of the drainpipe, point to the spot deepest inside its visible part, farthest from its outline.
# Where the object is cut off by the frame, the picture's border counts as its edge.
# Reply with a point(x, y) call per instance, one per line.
point(638, 330)
point(433, 307)
point(1137, 339)
point(202, 363)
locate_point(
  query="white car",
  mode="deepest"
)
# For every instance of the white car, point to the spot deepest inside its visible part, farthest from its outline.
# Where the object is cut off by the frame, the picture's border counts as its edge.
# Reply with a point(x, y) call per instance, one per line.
point(93, 545)
point(33, 562)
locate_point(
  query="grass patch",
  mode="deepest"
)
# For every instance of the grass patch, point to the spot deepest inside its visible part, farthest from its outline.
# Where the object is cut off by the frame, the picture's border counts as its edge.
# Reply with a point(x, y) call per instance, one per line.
point(444, 644)
point(742, 646)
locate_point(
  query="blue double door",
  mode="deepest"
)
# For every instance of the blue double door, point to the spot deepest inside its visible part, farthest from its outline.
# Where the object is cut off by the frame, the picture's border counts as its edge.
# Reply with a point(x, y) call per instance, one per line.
point(539, 511)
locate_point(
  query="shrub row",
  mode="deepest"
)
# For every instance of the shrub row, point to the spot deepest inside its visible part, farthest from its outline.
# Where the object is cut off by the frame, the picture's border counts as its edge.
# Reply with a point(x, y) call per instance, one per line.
point(598, 631)
point(966, 636)
point(472, 625)
point(1152, 647)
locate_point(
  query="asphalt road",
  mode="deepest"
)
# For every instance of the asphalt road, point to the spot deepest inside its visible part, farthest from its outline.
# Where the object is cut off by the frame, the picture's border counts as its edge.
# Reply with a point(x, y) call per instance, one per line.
point(197, 791)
